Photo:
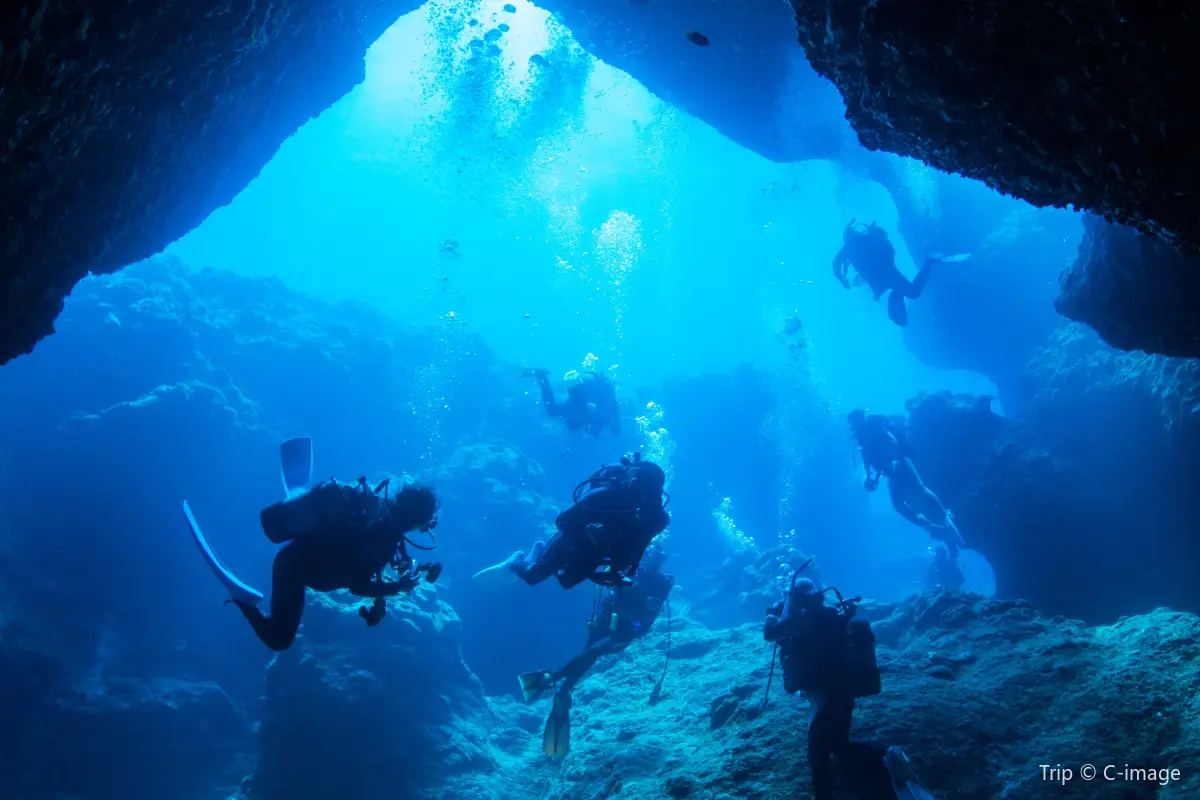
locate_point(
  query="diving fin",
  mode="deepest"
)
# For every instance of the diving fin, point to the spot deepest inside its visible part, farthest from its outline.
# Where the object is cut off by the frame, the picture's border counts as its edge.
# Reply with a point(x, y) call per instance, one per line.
point(904, 782)
point(499, 575)
point(944, 259)
point(239, 592)
point(296, 465)
point(533, 684)
point(556, 740)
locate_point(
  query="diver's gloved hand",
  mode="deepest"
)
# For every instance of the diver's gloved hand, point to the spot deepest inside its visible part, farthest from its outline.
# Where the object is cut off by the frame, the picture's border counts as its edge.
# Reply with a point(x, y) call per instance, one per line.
point(375, 614)
point(432, 570)
point(871, 484)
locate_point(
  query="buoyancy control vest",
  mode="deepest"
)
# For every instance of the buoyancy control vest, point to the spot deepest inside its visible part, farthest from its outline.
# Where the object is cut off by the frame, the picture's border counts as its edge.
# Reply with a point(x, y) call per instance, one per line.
point(831, 651)
point(637, 477)
point(327, 506)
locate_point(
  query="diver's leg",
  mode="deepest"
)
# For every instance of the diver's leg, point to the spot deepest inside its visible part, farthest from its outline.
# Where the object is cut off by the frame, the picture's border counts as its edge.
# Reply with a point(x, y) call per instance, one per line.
point(574, 670)
point(864, 763)
point(571, 673)
point(898, 491)
point(897, 311)
point(543, 561)
point(916, 286)
point(549, 402)
point(278, 631)
point(823, 729)
point(931, 506)
point(916, 487)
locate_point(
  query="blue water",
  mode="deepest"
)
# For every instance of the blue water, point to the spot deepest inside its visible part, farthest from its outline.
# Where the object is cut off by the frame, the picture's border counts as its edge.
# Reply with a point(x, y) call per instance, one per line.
point(464, 213)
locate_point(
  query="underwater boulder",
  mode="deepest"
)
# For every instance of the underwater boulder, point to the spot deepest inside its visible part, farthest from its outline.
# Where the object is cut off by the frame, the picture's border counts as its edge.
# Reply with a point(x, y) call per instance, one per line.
point(1079, 504)
point(356, 712)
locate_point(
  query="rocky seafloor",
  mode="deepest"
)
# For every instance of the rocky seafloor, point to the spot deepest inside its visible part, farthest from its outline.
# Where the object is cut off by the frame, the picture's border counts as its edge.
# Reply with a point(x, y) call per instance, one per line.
point(980, 693)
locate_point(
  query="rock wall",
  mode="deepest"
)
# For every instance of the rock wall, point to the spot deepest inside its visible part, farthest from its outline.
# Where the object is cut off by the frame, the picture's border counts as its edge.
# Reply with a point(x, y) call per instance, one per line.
point(1136, 292)
point(1056, 103)
point(1082, 505)
point(124, 125)
point(1037, 100)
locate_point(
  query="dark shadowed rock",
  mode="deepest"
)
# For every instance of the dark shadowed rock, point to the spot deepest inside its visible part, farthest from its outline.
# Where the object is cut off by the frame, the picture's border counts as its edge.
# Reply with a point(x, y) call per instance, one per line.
point(125, 124)
point(108, 737)
point(1135, 291)
point(1058, 103)
point(352, 712)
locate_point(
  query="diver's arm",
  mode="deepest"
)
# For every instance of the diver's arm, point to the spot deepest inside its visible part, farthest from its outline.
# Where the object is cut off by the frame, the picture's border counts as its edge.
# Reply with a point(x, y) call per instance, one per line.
point(779, 621)
point(380, 588)
point(871, 473)
point(777, 627)
point(575, 517)
point(840, 263)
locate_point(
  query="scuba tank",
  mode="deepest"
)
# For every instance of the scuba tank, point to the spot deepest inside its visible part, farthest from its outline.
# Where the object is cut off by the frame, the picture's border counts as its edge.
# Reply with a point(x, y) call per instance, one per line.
point(860, 667)
point(804, 669)
point(328, 504)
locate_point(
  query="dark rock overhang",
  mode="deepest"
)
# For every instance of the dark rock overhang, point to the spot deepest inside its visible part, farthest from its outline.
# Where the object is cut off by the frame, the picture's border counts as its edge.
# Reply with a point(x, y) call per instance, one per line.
point(1057, 103)
point(125, 124)
point(1060, 103)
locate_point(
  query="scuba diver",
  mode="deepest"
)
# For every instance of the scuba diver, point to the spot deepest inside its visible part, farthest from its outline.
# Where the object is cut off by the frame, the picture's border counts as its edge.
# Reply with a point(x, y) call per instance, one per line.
point(830, 656)
point(601, 537)
point(591, 405)
point(338, 536)
point(620, 617)
point(945, 572)
point(868, 250)
point(334, 536)
point(885, 452)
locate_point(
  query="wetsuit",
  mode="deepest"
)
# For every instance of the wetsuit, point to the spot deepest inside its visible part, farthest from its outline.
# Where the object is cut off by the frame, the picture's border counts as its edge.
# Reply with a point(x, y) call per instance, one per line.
point(591, 405)
point(885, 453)
point(636, 607)
point(610, 525)
point(869, 251)
point(349, 558)
point(812, 646)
